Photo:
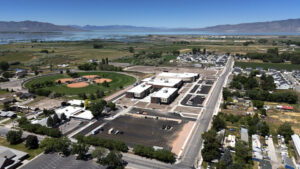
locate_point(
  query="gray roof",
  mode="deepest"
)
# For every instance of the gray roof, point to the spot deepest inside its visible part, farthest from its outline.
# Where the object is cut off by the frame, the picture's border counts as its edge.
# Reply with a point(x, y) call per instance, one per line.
point(287, 161)
point(7, 113)
point(244, 134)
point(265, 164)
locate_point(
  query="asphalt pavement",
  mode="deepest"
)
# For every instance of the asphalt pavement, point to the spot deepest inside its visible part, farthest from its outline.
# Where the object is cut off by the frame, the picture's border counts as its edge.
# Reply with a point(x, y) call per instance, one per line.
point(192, 152)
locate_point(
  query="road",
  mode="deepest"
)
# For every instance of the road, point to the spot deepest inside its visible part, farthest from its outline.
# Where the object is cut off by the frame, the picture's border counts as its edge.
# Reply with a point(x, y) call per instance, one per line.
point(192, 152)
point(190, 157)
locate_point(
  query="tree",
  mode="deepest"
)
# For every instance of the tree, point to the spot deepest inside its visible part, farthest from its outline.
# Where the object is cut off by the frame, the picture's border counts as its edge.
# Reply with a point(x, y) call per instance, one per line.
point(50, 122)
point(211, 146)
point(6, 75)
point(61, 144)
point(14, 137)
point(80, 149)
point(86, 103)
point(218, 123)
point(4, 65)
point(63, 117)
point(97, 108)
point(105, 84)
point(286, 131)
point(258, 104)
point(56, 119)
point(106, 61)
point(243, 152)
point(264, 129)
point(165, 156)
point(227, 158)
point(113, 160)
point(99, 153)
point(32, 142)
point(92, 96)
point(111, 105)
point(131, 49)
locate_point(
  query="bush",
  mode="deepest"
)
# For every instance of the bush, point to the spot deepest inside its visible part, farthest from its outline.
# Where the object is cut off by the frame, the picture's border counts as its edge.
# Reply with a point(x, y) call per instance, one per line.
point(106, 143)
point(38, 129)
point(98, 46)
point(14, 137)
point(32, 142)
point(149, 152)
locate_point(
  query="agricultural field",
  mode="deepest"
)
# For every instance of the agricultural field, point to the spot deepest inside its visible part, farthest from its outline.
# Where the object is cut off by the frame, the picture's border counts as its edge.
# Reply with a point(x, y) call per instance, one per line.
point(77, 52)
point(278, 66)
point(118, 81)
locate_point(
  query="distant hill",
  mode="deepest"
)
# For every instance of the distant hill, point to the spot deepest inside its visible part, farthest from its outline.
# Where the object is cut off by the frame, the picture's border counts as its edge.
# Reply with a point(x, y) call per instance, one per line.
point(33, 26)
point(118, 28)
point(287, 26)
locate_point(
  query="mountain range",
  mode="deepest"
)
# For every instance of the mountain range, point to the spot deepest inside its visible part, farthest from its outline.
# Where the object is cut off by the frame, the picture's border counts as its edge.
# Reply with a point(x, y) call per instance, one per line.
point(281, 26)
point(33, 26)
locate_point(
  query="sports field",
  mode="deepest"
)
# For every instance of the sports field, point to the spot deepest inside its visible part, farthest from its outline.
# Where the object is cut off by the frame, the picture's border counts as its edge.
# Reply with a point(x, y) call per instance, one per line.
point(117, 80)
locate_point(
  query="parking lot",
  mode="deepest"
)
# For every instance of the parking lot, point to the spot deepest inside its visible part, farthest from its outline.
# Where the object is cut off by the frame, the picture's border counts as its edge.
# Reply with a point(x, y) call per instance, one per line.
point(135, 129)
point(55, 161)
point(193, 100)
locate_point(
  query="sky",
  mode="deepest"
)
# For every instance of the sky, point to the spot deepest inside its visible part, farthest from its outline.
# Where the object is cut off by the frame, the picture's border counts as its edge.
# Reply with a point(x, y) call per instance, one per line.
point(155, 13)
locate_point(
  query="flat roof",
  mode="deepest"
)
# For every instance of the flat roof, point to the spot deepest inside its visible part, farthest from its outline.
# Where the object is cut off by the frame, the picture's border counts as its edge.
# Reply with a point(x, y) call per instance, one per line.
point(86, 114)
point(139, 88)
point(68, 111)
point(178, 75)
point(75, 102)
point(296, 141)
point(168, 82)
point(164, 92)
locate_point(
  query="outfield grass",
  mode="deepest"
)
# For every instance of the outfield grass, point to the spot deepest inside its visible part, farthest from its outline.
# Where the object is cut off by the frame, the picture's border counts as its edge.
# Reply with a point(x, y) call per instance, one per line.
point(277, 66)
point(21, 147)
point(117, 81)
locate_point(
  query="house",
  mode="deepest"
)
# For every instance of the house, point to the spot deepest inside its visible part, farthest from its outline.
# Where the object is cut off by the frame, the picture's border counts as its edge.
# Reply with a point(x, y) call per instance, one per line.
point(7, 100)
point(20, 73)
point(256, 148)
point(288, 163)
point(237, 70)
point(264, 164)
point(24, 96)
point(164, 95)
point(11, 158)
point(296, 142)
point(9, 114)
point(244, 134)
point(140, 91)
point(74, 112)
point(229, 141)
point(75, 102)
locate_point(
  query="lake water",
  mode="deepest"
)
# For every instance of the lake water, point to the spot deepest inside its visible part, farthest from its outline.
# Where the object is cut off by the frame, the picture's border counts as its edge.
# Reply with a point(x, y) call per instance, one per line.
point(89, 35)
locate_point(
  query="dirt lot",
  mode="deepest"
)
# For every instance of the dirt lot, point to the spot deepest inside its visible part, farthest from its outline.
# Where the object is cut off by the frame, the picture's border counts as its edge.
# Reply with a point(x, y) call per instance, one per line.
point(143, 131)
point(46, 103)
point(157, 70)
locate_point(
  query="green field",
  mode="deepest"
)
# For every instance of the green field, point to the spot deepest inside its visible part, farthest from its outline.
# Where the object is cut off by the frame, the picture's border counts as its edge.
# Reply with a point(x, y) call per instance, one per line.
point(118, 80)
point(278, 66)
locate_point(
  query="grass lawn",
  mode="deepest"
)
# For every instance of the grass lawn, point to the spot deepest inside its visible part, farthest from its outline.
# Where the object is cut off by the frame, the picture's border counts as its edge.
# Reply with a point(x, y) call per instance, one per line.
point(21, 147)
point(117, 81)
point(277, 66)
